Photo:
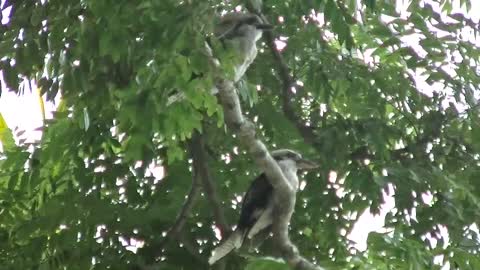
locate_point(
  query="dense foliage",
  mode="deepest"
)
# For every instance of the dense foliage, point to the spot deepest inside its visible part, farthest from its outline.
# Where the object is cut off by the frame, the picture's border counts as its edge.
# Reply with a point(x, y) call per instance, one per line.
point(386, 99)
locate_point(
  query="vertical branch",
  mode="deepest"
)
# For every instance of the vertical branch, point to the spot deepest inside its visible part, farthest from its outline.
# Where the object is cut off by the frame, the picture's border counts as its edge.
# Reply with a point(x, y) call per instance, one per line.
point(175, 231)
point(200, 167)
point(201, 176)
point(286, 79)
point(177, 227)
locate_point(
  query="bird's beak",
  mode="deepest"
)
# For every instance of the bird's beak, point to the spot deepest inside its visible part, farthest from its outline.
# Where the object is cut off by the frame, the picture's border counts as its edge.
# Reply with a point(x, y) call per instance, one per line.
point(305, 164)
point(264, 26)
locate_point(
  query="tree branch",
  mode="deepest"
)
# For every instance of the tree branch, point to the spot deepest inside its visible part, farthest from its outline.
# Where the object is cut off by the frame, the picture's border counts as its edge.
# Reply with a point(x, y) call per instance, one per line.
point(285, 194)
point(176, 228)
point(287, 81)
point(200, 167)
point(201, 175)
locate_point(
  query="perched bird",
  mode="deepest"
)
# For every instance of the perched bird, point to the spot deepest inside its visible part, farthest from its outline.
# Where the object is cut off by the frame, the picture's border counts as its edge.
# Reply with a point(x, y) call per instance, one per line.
point(239, 33)
point(258, 203)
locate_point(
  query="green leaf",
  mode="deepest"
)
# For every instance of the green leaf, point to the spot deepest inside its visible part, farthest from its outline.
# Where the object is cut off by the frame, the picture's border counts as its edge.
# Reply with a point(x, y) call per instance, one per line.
point(370, 4)
point(6, 136)
point(174, 153)
point(10, 76)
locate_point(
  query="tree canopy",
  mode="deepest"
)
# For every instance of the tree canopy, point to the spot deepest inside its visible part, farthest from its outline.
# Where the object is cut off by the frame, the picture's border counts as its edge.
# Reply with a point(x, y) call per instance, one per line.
point(382, 94)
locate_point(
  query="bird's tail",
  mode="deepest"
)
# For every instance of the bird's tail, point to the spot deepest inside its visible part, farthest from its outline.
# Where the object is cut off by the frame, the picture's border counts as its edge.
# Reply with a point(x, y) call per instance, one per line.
point(234, 241)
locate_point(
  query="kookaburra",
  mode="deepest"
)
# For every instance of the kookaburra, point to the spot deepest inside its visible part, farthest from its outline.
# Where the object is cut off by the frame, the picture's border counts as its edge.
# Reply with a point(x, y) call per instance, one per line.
point(239, 33)
point(258, 202)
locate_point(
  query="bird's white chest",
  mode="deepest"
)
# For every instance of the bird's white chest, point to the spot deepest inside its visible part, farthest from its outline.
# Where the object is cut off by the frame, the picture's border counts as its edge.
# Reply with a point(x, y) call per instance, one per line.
point(289, 170)
point(247, 49)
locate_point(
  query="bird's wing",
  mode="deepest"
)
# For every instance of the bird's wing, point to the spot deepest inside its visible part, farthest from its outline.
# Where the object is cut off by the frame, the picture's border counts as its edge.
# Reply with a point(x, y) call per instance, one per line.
point(255, 202)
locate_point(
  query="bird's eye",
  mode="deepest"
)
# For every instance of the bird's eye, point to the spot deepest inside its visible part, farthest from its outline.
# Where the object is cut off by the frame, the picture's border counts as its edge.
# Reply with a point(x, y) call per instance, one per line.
point(294, 156)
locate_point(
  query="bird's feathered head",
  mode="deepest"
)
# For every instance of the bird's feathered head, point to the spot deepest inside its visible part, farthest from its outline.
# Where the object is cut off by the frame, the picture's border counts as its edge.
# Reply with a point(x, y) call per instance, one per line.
point(288, 154)
point(237, 24)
